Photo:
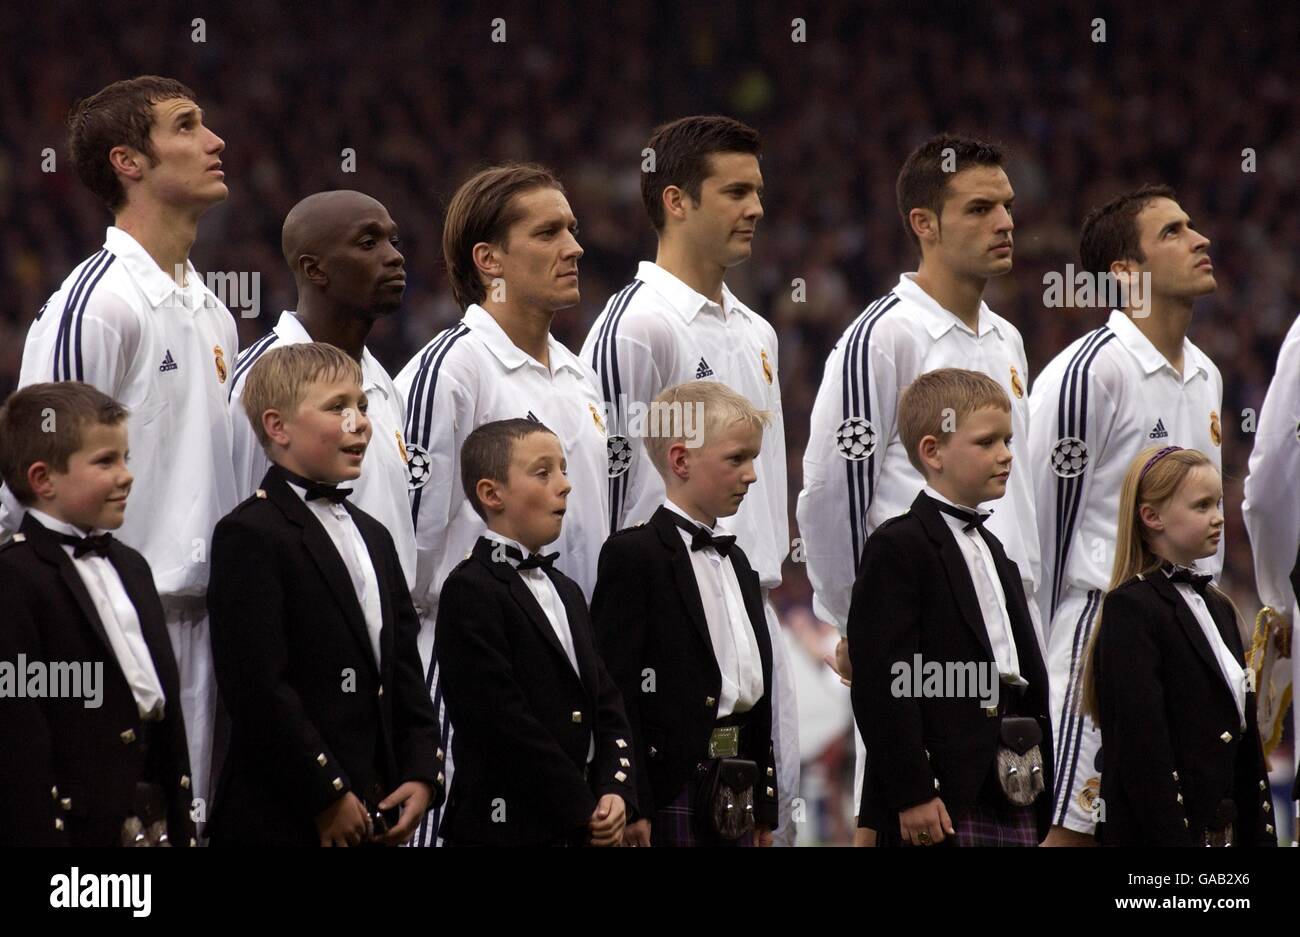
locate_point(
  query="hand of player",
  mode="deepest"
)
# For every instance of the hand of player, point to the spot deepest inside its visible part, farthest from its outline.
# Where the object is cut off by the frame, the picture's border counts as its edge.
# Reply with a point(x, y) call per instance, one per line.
point(415, 797)
point(864, 836)
point(1062, 836)
point(931, 818)
point(607, 821)
point(344, 822)
point(763, 836)
point(637, 834)
point(840, 662)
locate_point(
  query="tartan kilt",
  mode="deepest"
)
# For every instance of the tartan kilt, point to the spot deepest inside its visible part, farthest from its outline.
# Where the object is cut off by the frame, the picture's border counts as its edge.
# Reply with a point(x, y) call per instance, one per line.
point(674, 825)
point(1004, 825)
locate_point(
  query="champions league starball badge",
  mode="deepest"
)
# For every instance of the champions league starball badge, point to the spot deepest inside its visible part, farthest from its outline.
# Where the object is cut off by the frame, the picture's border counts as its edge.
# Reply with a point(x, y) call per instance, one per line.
point(855, 439)
point(620, 455)
point(1069, 457)
point(418, 466)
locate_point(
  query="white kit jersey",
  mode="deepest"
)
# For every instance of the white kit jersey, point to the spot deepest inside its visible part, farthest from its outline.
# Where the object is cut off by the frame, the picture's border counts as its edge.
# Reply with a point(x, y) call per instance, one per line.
point(658, 332)
point(381, 490)
point(166, 353)
point(472, 374)
point(1099, 403)
point(856, 471)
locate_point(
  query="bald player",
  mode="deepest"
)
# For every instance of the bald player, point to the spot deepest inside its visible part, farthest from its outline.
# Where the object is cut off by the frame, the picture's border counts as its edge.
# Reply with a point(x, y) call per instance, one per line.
point(342, 247)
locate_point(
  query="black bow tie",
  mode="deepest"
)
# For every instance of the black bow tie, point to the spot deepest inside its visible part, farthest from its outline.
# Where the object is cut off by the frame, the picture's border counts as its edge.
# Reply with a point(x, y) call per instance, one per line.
point(96, 543)
point(534, 560)
point(973, 519)
point(315, 489)
point(701, 538)
point(1197, 581)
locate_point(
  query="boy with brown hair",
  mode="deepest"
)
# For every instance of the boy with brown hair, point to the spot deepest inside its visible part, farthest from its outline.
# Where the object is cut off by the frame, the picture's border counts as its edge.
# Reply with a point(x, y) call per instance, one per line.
point(100, 760)
point(542, 743)
point(949, 687)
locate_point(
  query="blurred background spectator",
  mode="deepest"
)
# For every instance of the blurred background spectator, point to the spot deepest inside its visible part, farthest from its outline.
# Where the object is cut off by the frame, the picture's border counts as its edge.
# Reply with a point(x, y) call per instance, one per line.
point(422, 96)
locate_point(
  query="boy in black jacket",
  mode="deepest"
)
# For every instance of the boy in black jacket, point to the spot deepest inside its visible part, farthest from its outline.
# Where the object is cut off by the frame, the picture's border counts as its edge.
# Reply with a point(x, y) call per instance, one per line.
point(313, 631)
point(99, 760)
point(679, 613)
point(542, 748)
point(948, 678)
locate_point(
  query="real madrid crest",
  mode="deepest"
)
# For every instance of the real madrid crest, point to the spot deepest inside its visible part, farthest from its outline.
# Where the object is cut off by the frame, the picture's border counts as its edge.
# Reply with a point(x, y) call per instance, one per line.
point(1089, 795)
point(1016, 387)
point(219, 357)
point(767, 366)
point(1216, 432)
point(600, 424)
point(401, 447)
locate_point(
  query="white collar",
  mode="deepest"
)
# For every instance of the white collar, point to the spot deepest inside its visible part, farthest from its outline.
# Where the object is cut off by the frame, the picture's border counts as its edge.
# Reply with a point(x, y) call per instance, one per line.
point(507, 352)
point(144, 270)
point(937, 320)
point(668, 503)
point(58, 526)
point(961, 507)
point(683, 299)
point(1147, 355)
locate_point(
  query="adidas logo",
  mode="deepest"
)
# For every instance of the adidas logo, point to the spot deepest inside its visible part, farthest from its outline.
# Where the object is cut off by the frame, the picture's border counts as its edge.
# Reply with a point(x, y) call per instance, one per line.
point(168, 363)
point(703, 370)
point(1159, 432)
point(532, 416)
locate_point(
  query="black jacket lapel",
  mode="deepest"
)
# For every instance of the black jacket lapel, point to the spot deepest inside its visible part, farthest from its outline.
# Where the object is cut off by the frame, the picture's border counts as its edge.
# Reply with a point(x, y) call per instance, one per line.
point(523, 597)
point(954, 563)
point(683, 572)
point(326, 556)
point(580, 629)
point(48, 547)
point(1191, 627)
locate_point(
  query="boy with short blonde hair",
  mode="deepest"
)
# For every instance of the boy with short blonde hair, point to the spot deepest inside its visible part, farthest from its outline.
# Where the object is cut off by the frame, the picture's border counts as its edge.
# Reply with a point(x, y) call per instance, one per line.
point(313, 631)
point(679, 614)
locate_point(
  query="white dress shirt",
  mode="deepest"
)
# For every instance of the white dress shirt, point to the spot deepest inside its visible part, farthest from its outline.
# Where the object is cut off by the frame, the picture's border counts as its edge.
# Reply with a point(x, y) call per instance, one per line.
point(118, 616)
point(1234, 674)
point(548, 597)
point(988, 587)
point(730, 630)
point(355, 554)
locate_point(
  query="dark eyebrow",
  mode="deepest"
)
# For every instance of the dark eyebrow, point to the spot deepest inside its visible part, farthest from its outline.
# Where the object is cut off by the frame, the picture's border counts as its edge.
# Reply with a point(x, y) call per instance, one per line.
point(186, 113)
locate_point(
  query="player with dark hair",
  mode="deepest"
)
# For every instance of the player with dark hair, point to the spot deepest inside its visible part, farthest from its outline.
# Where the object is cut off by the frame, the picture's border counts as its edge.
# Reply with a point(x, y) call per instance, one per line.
point(678, 322)
point(136, 321)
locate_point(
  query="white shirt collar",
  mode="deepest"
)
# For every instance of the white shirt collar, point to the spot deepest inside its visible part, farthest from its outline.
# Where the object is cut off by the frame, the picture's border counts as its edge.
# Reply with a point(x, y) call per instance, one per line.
point(681, 513)
point(937, 320)
point(153, 281)
point(58, 526)
point(291, 329)
point(683, 299)
point(1147, 355)
point(507, 352)
point(503, 539)
point(961, 507)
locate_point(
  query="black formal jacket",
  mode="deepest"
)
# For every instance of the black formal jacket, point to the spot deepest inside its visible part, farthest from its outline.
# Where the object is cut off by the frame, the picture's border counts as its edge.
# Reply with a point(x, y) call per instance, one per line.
point(313, 714)
point(1172, 742)
point(914, 595)
point(654, 637)
point(68, 773)
point(524, 719)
